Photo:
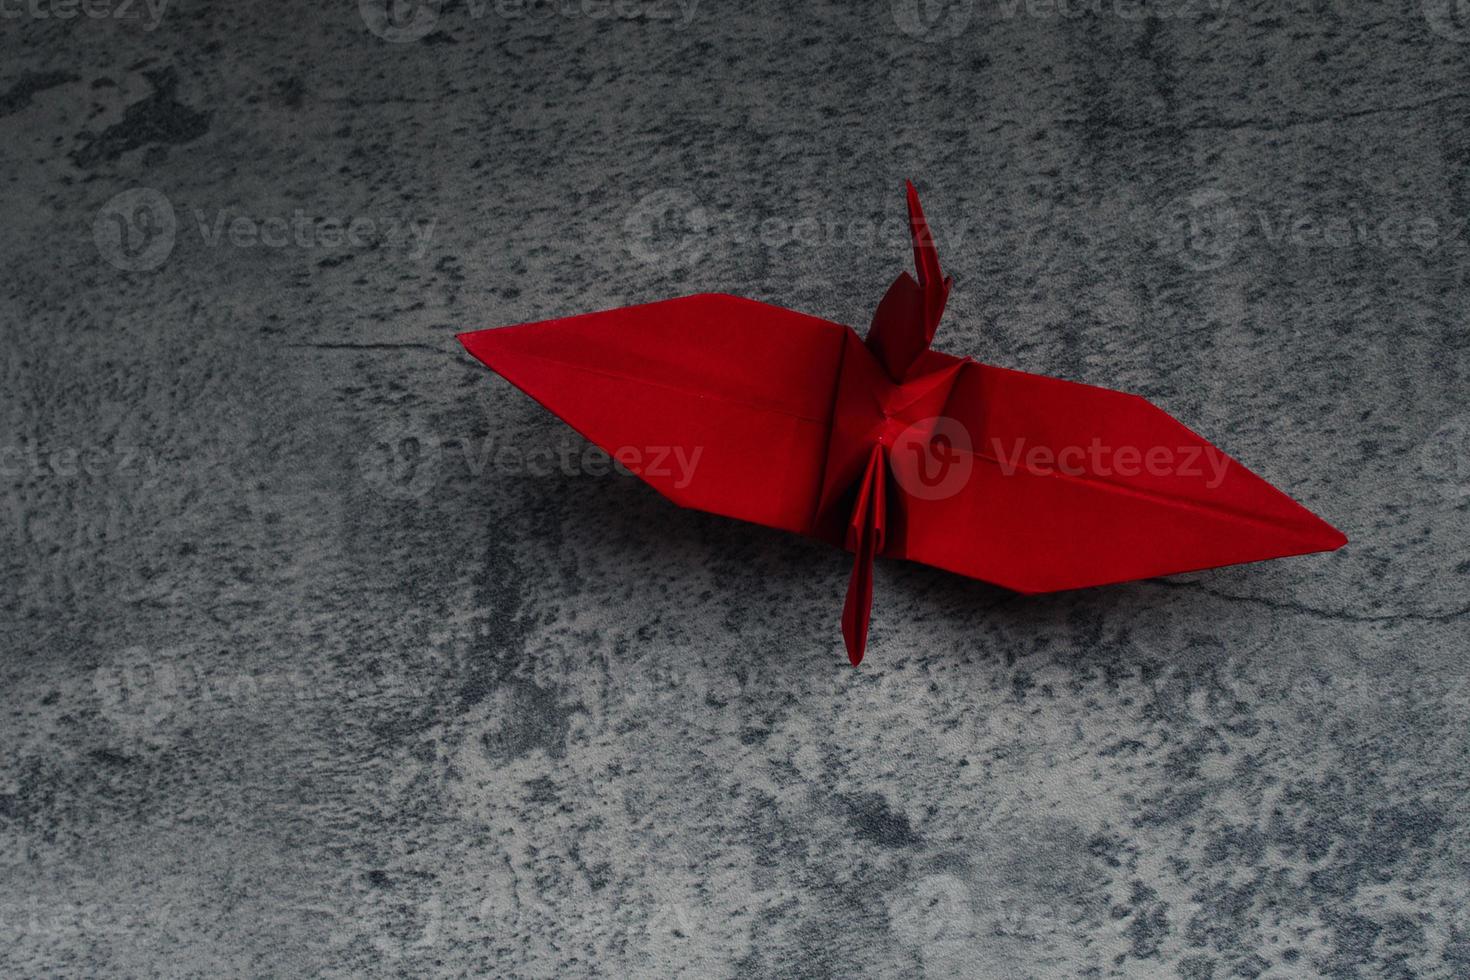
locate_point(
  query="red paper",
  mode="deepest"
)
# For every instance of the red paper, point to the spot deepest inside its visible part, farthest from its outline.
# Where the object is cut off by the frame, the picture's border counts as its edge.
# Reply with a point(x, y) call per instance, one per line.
point(885, 447)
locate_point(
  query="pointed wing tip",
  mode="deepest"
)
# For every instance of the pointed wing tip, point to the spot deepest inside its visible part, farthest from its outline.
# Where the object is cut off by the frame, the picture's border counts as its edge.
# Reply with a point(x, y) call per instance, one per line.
point(1320, 536)
point(492, 342)
point(1332, 538)
point(472, 337)
point(1320, 539)
point(480, 345)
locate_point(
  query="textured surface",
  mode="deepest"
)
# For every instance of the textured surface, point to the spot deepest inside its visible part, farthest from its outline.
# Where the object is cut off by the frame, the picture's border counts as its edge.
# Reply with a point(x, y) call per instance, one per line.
point(308, 667)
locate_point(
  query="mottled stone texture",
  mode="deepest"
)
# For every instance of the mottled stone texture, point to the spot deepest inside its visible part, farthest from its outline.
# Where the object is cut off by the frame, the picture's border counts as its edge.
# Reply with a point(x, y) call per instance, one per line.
point(308, 668)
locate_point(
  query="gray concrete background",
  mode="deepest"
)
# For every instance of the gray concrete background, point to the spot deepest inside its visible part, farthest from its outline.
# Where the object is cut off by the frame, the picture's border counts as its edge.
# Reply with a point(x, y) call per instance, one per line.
point(305, 674)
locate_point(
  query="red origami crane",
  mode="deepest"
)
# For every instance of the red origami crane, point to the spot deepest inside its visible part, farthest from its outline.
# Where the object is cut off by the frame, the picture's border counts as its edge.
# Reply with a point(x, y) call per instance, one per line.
point(885, 447)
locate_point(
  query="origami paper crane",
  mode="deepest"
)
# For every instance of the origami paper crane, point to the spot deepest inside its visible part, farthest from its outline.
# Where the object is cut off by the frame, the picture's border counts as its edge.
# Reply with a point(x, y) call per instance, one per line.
point(885, 447)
